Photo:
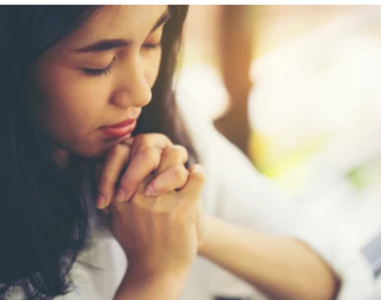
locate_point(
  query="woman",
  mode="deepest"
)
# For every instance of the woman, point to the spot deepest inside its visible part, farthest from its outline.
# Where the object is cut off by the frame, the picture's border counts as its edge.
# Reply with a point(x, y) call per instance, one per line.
point(78, 123)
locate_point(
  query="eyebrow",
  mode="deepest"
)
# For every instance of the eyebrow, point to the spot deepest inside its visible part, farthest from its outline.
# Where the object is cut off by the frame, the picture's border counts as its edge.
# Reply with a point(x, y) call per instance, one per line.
point(105, 45)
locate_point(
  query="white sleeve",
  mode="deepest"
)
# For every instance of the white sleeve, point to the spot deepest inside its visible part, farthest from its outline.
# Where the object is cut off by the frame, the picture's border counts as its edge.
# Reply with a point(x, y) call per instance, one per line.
point(83, 286)
point(98, 271)
point(236, 192)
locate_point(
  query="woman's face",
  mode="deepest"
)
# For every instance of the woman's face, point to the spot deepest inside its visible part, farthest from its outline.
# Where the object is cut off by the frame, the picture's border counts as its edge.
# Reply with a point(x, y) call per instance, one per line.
point(99, 76)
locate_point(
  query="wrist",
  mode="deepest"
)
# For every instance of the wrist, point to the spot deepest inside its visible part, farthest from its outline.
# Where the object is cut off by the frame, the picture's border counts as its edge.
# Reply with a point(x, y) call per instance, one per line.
point(141, 284)
point(208, 244)
point(136, 275)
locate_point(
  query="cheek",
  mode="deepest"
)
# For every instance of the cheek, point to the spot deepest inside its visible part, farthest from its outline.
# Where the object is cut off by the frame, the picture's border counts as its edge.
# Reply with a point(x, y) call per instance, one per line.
point(152, 69)
point(71, 103)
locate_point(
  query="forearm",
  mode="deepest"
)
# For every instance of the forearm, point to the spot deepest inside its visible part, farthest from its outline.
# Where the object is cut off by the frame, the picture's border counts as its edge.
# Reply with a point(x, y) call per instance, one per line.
point(140, 287)
point(282, 268)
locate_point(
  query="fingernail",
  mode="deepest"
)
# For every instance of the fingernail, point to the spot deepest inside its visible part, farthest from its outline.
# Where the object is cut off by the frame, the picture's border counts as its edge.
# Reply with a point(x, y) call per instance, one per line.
point(150, 192)
point(101, 201)
point(121, 195)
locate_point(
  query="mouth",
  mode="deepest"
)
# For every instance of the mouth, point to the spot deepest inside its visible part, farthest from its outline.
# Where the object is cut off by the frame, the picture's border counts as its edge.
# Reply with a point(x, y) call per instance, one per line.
point(121, 129)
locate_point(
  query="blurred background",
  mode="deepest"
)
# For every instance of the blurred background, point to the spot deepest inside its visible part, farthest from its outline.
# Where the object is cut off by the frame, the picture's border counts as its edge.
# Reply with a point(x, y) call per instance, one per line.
point(297, 89)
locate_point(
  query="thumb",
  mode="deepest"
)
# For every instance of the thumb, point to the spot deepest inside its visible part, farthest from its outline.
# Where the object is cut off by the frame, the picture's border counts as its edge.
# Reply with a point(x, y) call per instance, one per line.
point(195, 183)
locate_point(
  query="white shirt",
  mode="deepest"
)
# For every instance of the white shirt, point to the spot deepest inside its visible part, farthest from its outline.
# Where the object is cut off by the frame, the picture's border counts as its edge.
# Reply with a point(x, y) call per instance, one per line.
point(236, 192)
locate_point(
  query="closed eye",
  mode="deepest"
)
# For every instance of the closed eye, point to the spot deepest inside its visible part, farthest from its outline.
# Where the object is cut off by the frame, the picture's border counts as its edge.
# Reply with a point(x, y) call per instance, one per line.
point(107, 70)
point(100, 72)
point(152, 46)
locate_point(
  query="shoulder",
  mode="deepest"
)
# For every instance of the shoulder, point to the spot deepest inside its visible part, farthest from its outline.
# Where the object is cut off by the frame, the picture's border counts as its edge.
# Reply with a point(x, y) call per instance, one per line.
point(232, 179)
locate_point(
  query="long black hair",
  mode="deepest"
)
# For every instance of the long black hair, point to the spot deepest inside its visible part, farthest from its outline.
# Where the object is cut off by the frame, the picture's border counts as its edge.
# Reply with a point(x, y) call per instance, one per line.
point(43, 215)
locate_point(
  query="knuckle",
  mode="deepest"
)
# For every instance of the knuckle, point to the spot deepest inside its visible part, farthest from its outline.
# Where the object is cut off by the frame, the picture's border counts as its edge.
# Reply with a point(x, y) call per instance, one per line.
point(145, 152)
point(149, 138)
point(181, 149)
point(164, 137)
point(176, 152)
point(159, 136)
point(183, 152)
point(179, 172)
point(198, 173)
point(150, 155)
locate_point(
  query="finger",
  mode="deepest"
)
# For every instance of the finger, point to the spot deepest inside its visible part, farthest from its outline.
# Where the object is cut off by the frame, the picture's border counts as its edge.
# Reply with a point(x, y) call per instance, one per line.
point(174, 177)
point(172, 155)
point(146, 160)
point(112, 168)
point(195, 183)
point(139, 164)
point(157, 140)
point(137, 200)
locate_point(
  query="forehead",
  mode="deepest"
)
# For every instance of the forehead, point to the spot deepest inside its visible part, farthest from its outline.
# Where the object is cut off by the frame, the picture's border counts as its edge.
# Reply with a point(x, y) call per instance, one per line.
point(132, 22)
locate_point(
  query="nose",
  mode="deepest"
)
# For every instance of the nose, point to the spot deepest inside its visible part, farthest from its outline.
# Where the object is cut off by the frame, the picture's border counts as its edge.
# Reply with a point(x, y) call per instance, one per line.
point(133, 88)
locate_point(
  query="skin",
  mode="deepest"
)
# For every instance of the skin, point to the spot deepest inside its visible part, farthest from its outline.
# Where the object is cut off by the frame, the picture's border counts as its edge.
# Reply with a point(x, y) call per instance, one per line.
point(72, 106)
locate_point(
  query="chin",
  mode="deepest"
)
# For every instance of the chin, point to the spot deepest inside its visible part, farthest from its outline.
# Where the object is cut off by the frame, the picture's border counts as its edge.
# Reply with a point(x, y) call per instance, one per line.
point(95, 152)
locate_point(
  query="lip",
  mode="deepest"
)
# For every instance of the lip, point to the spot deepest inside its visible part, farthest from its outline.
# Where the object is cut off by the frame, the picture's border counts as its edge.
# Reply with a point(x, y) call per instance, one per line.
point(120, 129)
point(121, 124)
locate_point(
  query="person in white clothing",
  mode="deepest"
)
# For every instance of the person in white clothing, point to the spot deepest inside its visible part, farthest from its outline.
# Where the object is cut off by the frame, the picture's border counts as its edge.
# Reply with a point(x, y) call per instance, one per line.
point(102, 177)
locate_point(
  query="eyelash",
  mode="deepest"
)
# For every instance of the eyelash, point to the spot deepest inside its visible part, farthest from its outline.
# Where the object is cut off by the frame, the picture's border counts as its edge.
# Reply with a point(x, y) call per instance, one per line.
point(100, 72)
point(152, 46)
point(105, 71)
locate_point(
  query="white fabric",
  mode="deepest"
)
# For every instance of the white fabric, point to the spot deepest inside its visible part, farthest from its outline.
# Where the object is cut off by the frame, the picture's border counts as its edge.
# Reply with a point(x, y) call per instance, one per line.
point(236, 192)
